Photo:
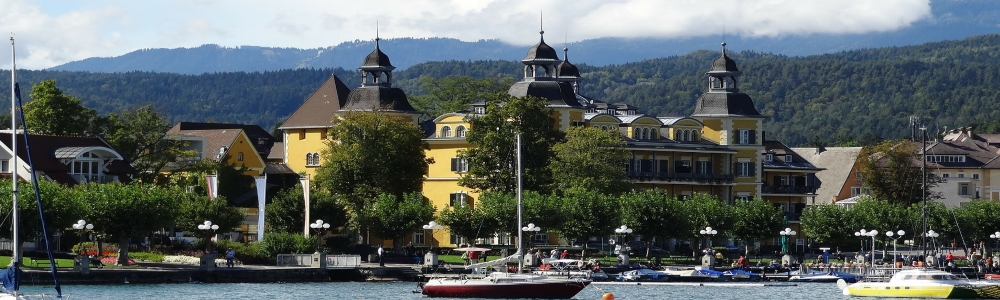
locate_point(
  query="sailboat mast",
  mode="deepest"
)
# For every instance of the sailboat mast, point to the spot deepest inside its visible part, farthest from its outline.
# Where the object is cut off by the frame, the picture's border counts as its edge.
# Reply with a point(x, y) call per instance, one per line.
point(520, 233)
point(923, 186)
point(16, 257)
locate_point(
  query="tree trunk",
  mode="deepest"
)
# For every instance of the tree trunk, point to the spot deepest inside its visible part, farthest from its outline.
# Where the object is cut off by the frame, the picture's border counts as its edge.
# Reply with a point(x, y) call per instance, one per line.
point(397, 245)
point(122, 252)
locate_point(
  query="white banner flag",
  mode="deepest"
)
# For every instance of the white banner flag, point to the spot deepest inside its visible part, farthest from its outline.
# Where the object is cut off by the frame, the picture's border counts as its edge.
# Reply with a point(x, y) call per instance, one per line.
point(213, 186)
point(305, 194)
point(261, 192)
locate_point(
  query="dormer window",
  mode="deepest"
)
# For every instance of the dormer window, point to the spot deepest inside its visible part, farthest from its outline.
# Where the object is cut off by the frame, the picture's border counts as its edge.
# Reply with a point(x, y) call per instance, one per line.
point(770, 157)
point(788, 158)
point(446, 132)
point(479, 110)
point(460, 131)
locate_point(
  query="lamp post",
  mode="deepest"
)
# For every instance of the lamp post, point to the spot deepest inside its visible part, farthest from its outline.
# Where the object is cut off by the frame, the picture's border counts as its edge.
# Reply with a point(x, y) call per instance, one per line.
point(898, 234)
point(432, 226)
point(931, 234)
point(708, 232)
point(872, 234)
point(995, 235)
point(785, 235)
point(531, 231)
point(209, 226)
point(622, 232)
point(82, 225)
point(320, 226)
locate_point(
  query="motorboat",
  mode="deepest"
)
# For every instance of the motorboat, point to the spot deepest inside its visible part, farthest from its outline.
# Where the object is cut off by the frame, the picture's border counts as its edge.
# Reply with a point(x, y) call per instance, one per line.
point(644, 275)
point(697, 274)
point(830, 276)
point(923, 283)
point(742, 275)
point(572, 268)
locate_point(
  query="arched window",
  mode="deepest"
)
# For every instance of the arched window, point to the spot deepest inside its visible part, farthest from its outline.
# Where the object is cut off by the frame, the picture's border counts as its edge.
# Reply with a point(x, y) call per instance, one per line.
point(460, 131)
point(654, 134)
point(446, 131)
point(688, 134)
point(604, 127)
point(694, 136)
point(309, 159)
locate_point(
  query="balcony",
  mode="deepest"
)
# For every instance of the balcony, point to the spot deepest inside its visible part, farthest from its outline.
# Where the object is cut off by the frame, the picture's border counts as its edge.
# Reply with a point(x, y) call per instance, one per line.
point(689, 177)
point(94, 178)
point(787, 189)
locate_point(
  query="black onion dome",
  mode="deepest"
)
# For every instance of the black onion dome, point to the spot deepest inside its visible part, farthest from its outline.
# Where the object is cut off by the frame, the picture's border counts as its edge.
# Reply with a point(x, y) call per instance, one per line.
point(568, 69)
point(555, 92)
point(724, 63)
point(377, 58)
point(541, 51)
point(378, 97)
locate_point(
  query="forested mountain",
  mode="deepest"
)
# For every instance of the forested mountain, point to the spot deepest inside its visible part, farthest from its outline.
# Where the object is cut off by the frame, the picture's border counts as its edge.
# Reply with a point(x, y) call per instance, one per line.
point(950, 19)
point(849, 95)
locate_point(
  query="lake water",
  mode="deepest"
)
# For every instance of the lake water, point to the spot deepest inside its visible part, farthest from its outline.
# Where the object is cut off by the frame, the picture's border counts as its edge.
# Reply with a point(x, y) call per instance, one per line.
point(393, 290)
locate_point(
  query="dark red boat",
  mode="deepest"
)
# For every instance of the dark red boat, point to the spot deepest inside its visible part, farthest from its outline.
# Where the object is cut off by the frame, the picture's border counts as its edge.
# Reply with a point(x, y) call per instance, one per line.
point(505, 285)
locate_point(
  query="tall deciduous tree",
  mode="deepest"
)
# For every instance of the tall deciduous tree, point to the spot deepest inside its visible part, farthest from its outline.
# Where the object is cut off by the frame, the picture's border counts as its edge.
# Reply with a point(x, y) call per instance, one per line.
point(654, 213)
point(978, 219)
point(500, 212)
point(707, 211)
point(140, 136)
point(133, 210)
point(55, 113)
point(465, 221)
point(492, 152)
point(197, 208)
point(591, 158)
point(826, 224)
point(756, 220)
point(393, 217)
point(588, 213)
point(455, 93)
point(60, 207)
point(890, 170)
point(286, 212)
point(371, 153)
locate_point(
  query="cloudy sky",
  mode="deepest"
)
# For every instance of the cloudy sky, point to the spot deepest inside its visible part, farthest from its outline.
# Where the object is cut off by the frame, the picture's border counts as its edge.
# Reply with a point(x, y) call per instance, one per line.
point(52, 32)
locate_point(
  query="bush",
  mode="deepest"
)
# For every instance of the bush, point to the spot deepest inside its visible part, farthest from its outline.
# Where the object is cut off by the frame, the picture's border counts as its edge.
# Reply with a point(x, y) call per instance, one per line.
point(285, 243)
point(90, 248)
point(146, 256)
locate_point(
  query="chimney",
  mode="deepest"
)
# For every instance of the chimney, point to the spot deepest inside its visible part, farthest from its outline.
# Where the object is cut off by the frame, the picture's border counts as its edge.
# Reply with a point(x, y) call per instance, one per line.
point(820, 149)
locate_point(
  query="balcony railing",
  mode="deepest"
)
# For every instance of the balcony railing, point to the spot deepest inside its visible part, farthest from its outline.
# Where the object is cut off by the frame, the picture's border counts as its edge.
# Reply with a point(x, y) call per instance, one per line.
point(94, 178)
point(787, 189)
point(692, 177)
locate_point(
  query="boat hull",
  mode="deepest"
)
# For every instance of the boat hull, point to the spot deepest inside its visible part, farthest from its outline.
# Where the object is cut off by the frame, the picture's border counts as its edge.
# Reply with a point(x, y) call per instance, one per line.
point(889, 290)
point(485, 289)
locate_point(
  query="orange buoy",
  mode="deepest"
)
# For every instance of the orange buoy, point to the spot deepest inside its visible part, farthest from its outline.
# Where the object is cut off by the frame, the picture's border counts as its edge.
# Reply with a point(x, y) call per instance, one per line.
point(608, 296)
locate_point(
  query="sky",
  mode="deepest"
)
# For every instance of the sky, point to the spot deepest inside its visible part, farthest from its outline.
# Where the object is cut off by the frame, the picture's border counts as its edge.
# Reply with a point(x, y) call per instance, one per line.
point(52, 32)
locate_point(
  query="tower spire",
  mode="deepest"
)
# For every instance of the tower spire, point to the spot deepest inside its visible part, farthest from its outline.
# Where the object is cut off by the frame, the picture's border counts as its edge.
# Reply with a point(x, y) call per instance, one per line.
point(376, 34)
point(541, 25)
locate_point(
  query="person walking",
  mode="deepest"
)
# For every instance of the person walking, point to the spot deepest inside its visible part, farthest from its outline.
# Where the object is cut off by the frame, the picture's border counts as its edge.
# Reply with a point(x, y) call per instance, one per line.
point(230, 255)
point(381, 256)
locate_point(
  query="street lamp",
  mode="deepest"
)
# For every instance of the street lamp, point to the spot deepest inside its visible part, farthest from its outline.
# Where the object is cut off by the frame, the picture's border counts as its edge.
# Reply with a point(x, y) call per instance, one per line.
point(531, 230)
point(931, 234)
point(320, 226)
point(209, 226)
point(622, 232)
point(996, 235)
point(82, 225)
point(432, 226)
point(899, 234)
point(708, 232)
point(785, 235)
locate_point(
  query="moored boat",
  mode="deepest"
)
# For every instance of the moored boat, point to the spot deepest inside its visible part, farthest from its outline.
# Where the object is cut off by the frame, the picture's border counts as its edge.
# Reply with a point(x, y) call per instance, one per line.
point(505, 285)
point(923, 283)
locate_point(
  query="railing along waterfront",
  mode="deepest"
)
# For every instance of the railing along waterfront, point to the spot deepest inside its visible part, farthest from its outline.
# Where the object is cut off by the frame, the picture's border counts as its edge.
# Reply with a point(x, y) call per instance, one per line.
point(294, 260)
point(343, 261)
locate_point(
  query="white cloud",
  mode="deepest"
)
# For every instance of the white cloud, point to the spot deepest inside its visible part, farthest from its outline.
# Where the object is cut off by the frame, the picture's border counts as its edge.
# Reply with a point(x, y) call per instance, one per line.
point(51, 32)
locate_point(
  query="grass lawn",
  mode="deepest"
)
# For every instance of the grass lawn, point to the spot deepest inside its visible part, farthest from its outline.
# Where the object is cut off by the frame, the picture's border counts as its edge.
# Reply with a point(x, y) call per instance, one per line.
point(44, 263)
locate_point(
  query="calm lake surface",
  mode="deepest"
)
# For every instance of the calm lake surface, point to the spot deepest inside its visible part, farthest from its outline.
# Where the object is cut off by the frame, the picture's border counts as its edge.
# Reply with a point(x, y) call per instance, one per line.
point(390, 291)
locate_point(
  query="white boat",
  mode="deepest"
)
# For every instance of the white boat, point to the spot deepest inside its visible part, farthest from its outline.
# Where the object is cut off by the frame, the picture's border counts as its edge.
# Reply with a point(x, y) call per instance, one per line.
point(923, 283)
point(571, 268)
point(503, 284)
point(697, 274)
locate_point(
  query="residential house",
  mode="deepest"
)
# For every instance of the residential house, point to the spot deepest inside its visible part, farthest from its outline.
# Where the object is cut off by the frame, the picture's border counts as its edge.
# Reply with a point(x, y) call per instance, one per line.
point(68, 160)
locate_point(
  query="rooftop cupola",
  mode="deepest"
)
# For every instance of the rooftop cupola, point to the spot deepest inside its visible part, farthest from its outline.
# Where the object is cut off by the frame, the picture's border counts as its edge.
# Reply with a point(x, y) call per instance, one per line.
point(376, 70)
point(541, 60)
point(724, 74)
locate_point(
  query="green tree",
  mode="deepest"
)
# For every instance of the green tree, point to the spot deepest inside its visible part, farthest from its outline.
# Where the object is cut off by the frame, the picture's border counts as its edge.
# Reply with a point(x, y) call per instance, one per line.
point(492, 152)
point(756, 220)
point(978, 219)
point(455, 93)
point(54, 113)
point(465, 221)
point(500, 212)
point(588, 213)
point(286, 212)
point(825, 224)
point(141, 136)
point(654, 213)
point(591, 158)
point(372, 153)
point(393, 218)
point(544, 210)
point(877, 214)
point(888, 169)
point(124, 211)
point(198, 208)
point(707, 211)
point(61, 208)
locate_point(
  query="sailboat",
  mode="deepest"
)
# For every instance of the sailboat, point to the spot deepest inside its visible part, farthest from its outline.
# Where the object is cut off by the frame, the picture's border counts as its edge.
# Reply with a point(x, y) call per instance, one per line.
point(10, 278)
point(507, 285)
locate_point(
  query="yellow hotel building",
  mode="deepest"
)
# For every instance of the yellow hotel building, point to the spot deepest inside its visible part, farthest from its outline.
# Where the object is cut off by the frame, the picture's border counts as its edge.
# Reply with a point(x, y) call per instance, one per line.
point(718, 149)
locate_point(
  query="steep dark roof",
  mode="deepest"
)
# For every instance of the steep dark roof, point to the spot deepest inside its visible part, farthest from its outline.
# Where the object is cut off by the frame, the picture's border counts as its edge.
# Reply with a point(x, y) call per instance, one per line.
point(378, 97)
point(541, 51)
point(43, 154)
point(557, 93)
point(725, 104)
point(724, 63)
point(779, 149)
point(565, 68)
point(318, 109)
point(261, 139)
point(376, 58)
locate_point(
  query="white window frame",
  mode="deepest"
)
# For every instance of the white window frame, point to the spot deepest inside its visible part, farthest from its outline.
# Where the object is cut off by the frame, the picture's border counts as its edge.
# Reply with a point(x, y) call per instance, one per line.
point(445, 131)
point(975, 176)
point(963, 189)
point(419, 238)
point(460, 131)
point(788, 158)
point(744, 136)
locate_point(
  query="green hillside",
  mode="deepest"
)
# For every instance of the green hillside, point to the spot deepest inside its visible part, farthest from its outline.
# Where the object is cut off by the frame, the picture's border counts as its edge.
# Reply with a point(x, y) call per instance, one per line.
point(846, 96)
